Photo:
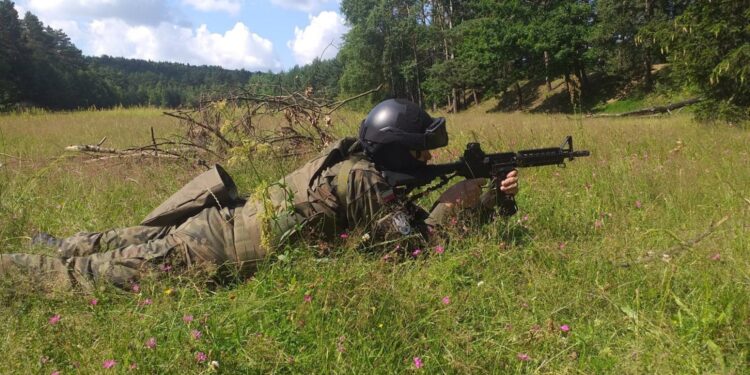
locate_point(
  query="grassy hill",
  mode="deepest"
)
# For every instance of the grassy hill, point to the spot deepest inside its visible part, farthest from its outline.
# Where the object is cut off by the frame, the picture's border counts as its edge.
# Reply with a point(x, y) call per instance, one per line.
point(633, 260)
point(602, 94)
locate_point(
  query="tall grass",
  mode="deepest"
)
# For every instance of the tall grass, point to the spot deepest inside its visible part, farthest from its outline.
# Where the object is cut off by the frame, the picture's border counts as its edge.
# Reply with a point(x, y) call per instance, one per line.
point(619, 247)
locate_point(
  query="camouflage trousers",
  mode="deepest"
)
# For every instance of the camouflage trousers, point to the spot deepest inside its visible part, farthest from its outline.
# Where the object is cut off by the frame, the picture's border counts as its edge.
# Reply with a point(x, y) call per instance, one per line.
point(121, 256)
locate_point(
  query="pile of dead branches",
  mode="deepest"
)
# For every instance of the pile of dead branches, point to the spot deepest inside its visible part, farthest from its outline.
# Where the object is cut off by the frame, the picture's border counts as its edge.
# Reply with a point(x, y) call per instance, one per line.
point(251, 122)
point(238, 126)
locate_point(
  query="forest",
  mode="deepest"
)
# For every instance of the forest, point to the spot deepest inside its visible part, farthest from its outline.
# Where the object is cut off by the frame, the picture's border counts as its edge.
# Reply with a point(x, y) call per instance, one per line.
point(439, 53)
point(40, 67)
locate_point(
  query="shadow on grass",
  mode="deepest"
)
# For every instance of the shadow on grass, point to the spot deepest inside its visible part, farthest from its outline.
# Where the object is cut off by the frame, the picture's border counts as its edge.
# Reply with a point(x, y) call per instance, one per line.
point(537, 98)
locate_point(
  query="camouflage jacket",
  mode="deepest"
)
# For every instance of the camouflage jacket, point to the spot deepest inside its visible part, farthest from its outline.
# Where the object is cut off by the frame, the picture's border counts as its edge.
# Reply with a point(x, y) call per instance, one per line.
point(307, 204)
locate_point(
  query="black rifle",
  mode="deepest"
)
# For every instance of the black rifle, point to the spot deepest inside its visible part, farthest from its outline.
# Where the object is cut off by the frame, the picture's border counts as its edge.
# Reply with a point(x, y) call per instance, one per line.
point(475, 163)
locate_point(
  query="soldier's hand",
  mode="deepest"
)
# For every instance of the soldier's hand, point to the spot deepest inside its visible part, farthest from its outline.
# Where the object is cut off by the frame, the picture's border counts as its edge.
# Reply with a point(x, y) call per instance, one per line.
point(510, 184)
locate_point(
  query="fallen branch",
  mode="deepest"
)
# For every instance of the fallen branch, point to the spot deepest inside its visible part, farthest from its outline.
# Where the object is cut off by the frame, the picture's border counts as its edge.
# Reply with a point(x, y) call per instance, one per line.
point(93, 148)
point(149, 151)
point(12, 156)
point(232, 127)
point(139, 154)
point(341, 103)
point(683, 245)
point(653, 110)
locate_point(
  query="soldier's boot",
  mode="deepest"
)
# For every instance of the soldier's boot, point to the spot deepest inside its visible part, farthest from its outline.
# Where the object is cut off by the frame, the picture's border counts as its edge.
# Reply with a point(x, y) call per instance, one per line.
point(47, 240)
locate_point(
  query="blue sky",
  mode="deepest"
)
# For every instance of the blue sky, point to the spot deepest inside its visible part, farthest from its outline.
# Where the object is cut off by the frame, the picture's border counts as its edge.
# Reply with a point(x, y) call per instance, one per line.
point(251, 34)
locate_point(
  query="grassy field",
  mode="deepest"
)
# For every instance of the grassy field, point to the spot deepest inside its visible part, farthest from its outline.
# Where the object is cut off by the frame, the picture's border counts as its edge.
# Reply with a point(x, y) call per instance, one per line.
point(634, 260)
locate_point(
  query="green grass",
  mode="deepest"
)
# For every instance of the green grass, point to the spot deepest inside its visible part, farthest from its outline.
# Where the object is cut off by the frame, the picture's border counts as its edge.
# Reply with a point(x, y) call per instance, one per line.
point(510, 285)
point(621, 106)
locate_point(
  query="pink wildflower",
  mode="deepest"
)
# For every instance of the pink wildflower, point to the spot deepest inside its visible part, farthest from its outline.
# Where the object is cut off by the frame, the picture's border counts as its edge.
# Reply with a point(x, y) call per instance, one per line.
point(561, 245)
point(416, 252)
point(54, 319)
point(598, 224)
point(196, 334)
point(307, 298)
point(439, 249)
point(165, 267)
point(418, 362)
point(716, 256)
point(94, 302)
point(187, 319)
point(446, 300)
point(565, 328)
point(523, 357)
point(109, 363)
point(638, 204)
point(201, 357)
point(525, 217)
point(344, 235)
point(55, 372)
point(151, 343)
point(133, 366)
point(146, 302)
point(135, 288)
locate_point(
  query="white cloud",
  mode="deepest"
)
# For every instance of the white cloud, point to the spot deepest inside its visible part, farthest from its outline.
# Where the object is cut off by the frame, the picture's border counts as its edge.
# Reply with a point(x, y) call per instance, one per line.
point(321, 38)
point(70, 28)
point(237, 48)
point(147, 12)
point(301, 5)
point(230, 6)
point(21, 10)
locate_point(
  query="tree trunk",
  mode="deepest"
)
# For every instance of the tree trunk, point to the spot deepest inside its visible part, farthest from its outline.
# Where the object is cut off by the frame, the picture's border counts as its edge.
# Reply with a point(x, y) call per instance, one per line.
point(648, 80)
point(474, 94)
point(519, 96)
point(584, 77)
point(583, 81)
point(653, 110)
point(449, 54)
point(569, 88)
point(416, 64)
point(419, 83)
point(546, 71)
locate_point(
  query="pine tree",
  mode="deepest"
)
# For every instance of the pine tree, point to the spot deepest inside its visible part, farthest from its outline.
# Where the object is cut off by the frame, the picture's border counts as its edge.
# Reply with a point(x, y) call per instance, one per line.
point(12, 55)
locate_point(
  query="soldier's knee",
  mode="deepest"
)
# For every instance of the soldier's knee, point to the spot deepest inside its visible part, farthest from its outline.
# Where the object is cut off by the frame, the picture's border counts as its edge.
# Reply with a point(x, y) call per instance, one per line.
point(121, 273)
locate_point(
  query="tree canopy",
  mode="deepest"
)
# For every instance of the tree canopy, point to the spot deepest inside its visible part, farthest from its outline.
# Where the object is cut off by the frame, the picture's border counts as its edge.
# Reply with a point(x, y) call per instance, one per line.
point(438, 53)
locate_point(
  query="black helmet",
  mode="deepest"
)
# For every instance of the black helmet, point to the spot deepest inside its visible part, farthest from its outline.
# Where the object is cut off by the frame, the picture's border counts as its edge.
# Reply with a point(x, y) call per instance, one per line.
point(396, 126)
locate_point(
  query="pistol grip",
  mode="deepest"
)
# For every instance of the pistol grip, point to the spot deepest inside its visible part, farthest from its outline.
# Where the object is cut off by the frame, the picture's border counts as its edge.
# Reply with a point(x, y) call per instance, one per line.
point(505, 203)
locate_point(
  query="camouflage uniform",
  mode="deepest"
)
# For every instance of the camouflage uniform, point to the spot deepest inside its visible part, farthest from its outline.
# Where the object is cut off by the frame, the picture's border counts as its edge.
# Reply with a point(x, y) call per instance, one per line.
point(241, 235)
